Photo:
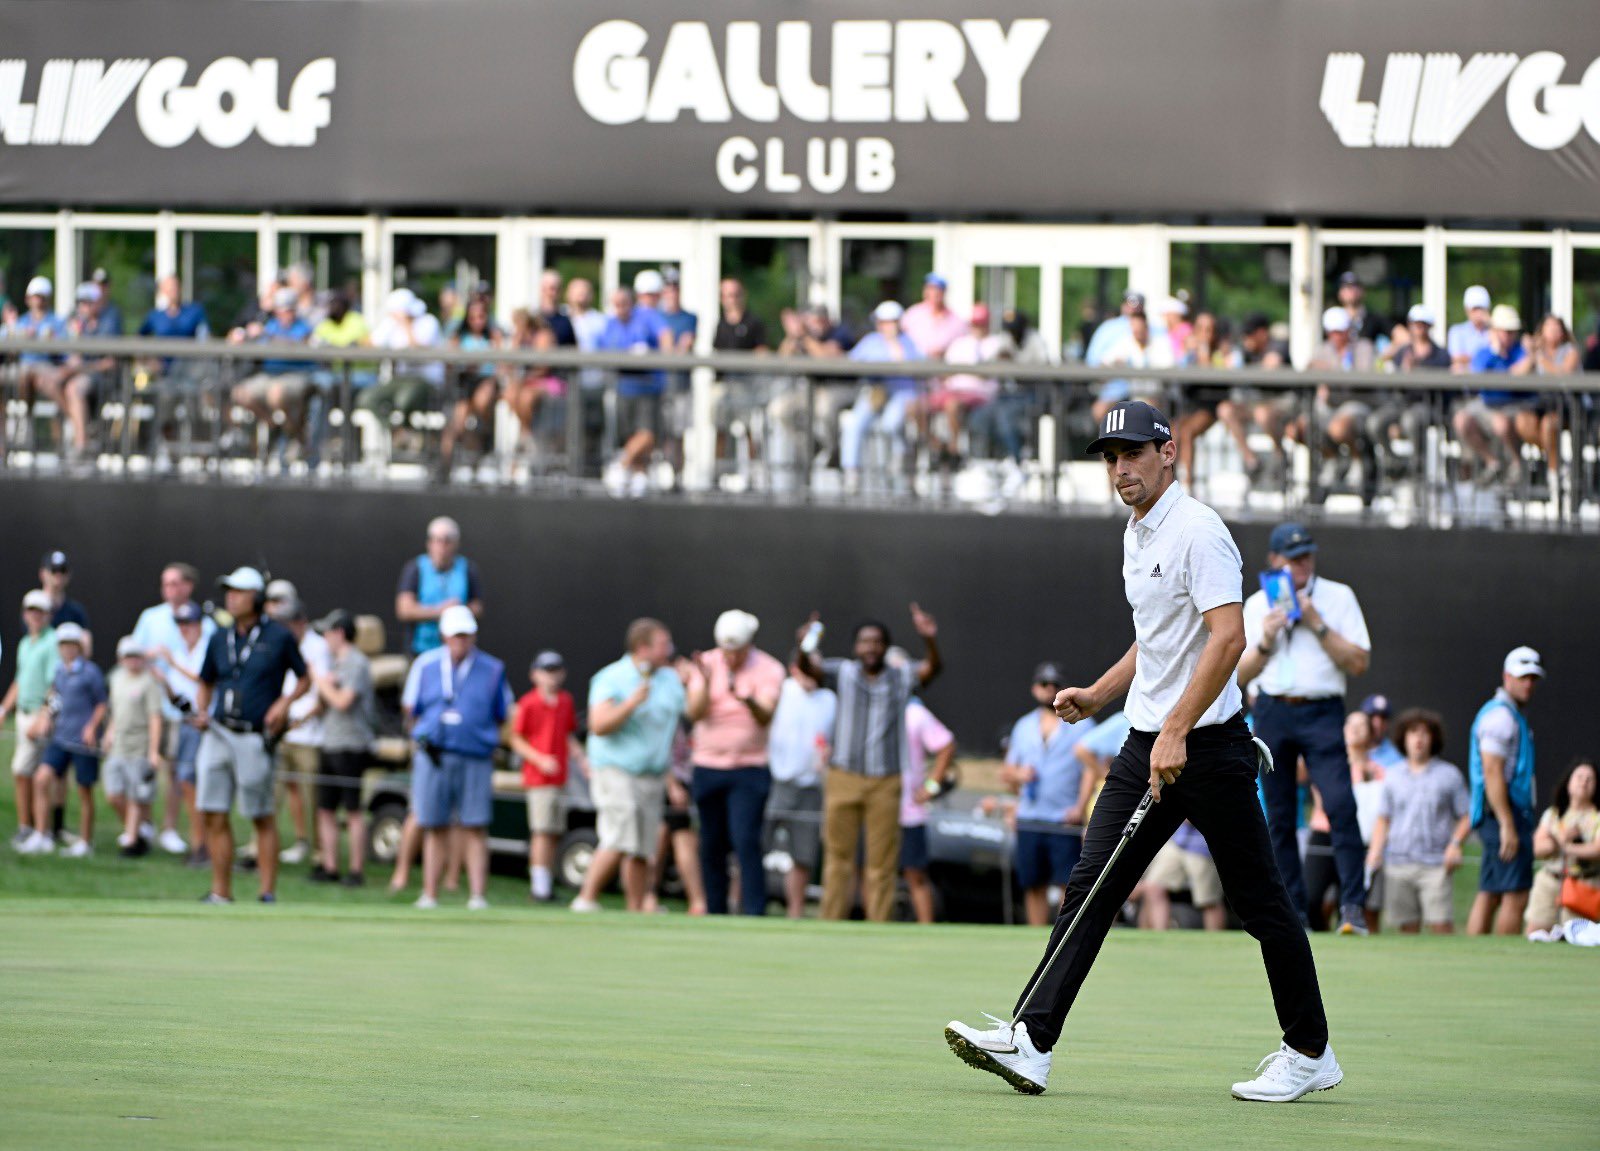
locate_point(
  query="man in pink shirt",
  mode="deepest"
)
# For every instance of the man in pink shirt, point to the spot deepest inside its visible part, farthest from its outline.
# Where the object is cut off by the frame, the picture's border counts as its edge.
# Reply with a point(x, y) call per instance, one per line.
point(931, 325)
point(730, 702)
point(925, 736)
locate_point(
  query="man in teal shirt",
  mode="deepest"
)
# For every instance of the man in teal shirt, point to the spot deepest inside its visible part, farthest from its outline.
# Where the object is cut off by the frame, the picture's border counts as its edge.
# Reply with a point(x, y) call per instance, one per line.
point(37, 659)
point(635, 706)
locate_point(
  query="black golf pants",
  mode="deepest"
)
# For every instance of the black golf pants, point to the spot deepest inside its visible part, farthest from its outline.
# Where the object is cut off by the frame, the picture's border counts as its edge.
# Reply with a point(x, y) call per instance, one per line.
point(1217, 793)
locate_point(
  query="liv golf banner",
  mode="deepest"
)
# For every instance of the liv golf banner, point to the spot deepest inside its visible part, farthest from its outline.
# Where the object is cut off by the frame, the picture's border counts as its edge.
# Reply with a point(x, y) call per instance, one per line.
point(1433, 108)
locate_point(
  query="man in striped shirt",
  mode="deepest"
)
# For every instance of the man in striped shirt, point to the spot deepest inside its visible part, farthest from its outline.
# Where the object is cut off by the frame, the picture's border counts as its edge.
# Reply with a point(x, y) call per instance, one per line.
point(869, 754)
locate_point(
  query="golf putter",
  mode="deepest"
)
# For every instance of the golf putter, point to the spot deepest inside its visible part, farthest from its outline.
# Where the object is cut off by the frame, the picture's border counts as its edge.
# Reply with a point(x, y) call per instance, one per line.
point(1127, 833)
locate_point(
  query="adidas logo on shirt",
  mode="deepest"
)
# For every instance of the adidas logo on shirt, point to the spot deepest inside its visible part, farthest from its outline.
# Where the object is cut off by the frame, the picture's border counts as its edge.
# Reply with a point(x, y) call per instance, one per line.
point(1155, 572)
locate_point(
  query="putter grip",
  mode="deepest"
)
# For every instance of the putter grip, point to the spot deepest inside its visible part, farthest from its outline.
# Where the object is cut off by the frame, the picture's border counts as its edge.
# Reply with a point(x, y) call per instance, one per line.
point(1139, 813)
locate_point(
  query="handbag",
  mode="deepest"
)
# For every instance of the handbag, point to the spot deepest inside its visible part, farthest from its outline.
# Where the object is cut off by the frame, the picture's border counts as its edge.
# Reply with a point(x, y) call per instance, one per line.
point(1580, 898)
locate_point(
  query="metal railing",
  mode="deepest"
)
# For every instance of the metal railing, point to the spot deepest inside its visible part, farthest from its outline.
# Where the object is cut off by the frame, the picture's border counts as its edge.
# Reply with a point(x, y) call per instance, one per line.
point(766, 426)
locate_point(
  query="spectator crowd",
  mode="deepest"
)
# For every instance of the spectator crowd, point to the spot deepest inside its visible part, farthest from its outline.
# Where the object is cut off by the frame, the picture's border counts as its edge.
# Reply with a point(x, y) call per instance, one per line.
point(881, 429)
point(724, 764)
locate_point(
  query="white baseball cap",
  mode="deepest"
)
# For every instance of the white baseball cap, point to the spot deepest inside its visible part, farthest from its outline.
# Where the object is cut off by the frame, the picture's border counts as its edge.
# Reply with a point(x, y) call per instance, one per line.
point(400, 302)
point(648, 283)
point(282, 589)
point(1520, 661)
point(1505, 318)
point(735, 629)
point(40, 286)
point(888, 312)
point(458, 620)
point(1421, 314)
point(1336, 320)
point(1168, 305)
point(1476, 296)
point(70, 633)
point(243, 579)
point(127, 646)
point(89, 292)
point(37, 600)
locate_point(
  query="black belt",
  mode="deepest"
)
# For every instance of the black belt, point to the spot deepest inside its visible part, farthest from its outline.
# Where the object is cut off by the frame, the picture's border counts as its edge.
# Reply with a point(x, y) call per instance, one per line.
point(1299, 700)
point(238, 725)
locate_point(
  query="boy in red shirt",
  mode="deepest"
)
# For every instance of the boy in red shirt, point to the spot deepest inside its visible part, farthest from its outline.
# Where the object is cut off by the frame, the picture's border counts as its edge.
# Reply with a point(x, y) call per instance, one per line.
point(543, 736)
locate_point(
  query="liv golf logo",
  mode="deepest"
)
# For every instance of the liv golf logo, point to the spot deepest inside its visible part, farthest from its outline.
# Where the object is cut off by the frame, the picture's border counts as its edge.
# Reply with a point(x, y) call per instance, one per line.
point(228, 102)
point(1429, 101)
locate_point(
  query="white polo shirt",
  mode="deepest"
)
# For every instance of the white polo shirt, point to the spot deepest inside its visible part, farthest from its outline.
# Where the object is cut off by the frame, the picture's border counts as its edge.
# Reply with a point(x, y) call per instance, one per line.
point(1300, 665)
point(1178, 563)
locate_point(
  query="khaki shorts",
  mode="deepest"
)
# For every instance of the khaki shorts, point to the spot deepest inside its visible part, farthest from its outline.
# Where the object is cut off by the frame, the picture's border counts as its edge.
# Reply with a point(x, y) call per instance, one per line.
point(628, 810)
point(544, 811)
point(1416, 892)
point(126, 775)
point(1544, 900)
point(25, 757)
point(1177, 869)
point(299, 759)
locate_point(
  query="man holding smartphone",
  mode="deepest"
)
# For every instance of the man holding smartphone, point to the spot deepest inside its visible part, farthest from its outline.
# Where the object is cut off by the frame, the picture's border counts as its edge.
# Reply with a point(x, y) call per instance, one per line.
point(1300, 668)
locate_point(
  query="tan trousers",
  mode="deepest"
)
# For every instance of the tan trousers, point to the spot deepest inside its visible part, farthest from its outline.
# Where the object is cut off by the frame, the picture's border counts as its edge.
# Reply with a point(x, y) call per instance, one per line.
point(848, 802)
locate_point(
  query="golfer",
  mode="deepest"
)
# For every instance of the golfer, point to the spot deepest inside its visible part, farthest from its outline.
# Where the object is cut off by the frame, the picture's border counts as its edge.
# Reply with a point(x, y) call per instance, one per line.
point(1190, 747)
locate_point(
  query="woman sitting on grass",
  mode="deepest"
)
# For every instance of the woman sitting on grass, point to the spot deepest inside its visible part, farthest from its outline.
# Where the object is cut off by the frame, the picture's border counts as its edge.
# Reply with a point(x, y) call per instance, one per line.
point(1567, 840)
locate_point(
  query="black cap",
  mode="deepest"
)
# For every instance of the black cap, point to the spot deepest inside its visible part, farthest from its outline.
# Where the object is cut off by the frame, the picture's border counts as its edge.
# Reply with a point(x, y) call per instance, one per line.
point(1049, 672)
point(1131, 420)
point(548, 660)
point(187, 613)
point(338, 620)
point(56, 562)
point(1254, 322)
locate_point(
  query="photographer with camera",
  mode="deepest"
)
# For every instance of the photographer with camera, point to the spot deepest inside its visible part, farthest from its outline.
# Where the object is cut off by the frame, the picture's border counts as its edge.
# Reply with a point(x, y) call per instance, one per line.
point(456, 697)
point(242, 710)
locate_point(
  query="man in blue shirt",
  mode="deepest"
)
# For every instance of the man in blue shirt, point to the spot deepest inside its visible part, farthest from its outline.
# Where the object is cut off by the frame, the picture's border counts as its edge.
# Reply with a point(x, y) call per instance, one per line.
point(171, 318)
point(72, 719)
point(1490, 417)
point(1053, 790)
point(884, 401)
point(457, 698)
point(240, 704)
point(1384, 753)
point(630, 328)
point(635, 705)
point(1500, 768)
point(280, 386)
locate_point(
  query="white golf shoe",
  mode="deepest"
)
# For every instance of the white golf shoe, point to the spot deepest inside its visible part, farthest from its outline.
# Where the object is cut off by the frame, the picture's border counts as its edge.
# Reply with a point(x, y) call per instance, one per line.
point(172, 843)
point(1002, 1050)
point(79, 850)
point(1286, 1075)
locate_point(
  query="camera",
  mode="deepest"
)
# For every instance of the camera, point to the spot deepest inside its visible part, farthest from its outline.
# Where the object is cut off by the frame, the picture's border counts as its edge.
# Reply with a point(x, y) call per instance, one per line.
point(429, 748)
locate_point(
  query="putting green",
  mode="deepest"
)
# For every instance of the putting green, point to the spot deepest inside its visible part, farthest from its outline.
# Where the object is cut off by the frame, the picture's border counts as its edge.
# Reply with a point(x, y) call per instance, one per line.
point(169, 1025)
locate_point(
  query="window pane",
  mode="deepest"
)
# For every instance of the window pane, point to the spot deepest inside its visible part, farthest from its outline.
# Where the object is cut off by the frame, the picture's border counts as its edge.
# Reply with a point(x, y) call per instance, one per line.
point(1231, 281)
point(1516, 276)
point(333, 260)
point(1088, 296)
point(24, 254)
point(1586, 304)
point(775, 271)
point(878, 270)
point(1391, 279)
point(129, 259)
point(218, 270)
point(443, 270)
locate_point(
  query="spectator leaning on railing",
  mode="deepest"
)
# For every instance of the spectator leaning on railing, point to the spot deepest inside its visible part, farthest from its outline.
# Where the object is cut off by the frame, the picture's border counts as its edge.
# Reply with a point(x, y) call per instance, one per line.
point(1497, 412)
point(884, 401)
point(279, 388)
point(1466, 339)
point(408, 387)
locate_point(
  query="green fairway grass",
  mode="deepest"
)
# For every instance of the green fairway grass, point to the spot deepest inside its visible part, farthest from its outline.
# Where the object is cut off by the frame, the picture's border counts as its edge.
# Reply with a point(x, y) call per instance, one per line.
point(322, 1026)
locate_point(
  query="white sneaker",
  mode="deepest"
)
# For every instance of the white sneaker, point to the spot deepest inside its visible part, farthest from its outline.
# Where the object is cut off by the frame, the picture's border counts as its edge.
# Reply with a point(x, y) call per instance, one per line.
point(1003, 1050)
point(172, 843)
point(147, 831)
point(79, 850)
point(477, 903)
point(37, 843)
point(585, 905)
point(296, 852)
point(1285, 1075)
point(426, 902)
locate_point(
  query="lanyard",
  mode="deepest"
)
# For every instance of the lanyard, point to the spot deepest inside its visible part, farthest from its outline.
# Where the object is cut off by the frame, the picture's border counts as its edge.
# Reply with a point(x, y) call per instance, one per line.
point(447, 676)
point(236, 658)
